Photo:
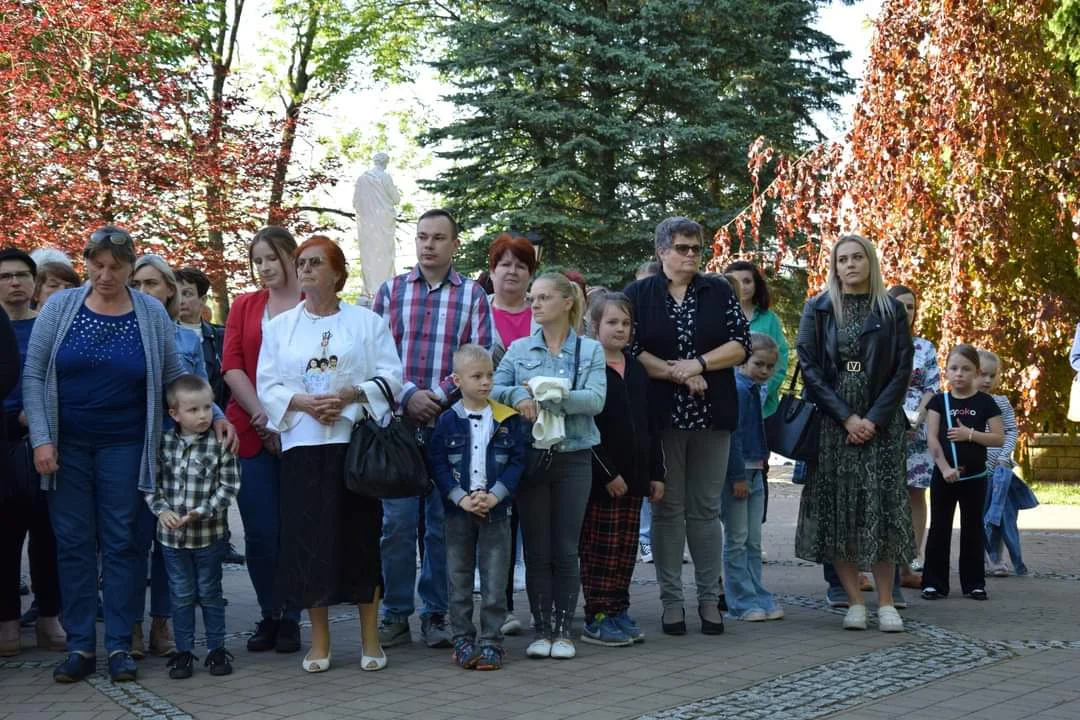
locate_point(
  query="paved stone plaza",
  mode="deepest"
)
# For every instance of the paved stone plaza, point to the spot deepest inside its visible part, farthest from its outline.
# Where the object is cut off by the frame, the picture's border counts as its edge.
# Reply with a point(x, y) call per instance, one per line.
point(1017, 656)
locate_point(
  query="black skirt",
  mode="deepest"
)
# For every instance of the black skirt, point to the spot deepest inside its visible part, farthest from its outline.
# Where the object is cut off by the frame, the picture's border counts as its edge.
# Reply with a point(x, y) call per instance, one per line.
point(329, 543)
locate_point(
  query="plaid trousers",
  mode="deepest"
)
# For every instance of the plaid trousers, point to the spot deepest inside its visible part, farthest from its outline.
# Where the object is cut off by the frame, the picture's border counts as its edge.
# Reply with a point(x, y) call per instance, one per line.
point(608, 552)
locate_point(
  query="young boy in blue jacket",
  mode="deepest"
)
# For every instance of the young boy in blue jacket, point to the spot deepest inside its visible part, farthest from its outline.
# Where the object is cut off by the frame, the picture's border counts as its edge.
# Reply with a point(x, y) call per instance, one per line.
point(477, 454)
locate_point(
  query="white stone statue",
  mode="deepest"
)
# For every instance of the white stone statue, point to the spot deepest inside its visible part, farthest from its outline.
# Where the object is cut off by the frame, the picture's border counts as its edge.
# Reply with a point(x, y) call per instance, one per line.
point(374, 200)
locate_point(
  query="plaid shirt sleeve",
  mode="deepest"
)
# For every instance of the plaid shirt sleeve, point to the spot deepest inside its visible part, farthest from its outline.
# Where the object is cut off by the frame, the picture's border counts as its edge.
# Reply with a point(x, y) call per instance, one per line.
point(228, 477)
point(157, 500)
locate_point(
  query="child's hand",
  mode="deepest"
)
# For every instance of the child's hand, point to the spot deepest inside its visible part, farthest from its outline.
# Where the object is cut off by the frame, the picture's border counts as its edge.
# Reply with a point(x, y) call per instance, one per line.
point(191, 517)
point(617, 487)
point(959, 433)
point(740, 490)
point(950, 475)
point(170, 520)
point(656, 491)
point(486, 501)
point(468, 503)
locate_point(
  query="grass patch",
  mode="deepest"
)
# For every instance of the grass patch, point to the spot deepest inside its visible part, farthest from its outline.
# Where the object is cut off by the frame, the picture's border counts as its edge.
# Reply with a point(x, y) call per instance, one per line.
point(1057, 493)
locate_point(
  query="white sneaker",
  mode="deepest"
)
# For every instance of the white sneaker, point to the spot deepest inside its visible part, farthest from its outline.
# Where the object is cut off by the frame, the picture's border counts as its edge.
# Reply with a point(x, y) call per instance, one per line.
point(889, 620)
point(563, 649)
point(539, 648)
point(777, 613)
point(511, 625)
point(855, 619)
point(645, 552)
point(754, 615)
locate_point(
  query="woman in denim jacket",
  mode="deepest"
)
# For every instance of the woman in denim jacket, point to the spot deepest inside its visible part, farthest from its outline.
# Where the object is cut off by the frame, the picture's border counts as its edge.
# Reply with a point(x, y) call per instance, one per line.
point(553, 495)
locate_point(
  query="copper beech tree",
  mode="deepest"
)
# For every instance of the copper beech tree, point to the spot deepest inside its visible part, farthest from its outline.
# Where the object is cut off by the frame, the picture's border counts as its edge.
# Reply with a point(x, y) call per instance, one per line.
point(104, 119)
point(962, 165)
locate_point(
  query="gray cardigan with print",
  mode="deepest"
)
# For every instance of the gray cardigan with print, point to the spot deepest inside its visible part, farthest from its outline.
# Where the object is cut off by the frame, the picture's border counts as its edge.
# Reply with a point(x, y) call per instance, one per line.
point(163, 365)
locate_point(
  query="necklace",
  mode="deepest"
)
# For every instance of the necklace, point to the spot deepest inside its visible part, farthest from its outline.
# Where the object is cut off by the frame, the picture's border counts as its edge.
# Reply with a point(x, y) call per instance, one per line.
point(315, 318)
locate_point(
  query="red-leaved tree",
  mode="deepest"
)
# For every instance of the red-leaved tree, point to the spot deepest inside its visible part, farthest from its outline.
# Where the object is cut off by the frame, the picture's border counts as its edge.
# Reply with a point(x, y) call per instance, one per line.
point(962, 165)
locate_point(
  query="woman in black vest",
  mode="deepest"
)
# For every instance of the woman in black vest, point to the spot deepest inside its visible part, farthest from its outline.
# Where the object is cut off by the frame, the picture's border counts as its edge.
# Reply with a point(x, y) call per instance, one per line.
point(856, 353)
point(689, 334)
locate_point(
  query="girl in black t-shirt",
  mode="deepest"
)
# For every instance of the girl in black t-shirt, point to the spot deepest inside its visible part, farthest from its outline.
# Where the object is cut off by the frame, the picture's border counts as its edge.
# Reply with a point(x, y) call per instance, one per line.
point(961, 424)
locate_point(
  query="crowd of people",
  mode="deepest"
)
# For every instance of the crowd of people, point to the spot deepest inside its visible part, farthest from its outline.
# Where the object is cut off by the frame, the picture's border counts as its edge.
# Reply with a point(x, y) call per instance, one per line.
point(589, 428)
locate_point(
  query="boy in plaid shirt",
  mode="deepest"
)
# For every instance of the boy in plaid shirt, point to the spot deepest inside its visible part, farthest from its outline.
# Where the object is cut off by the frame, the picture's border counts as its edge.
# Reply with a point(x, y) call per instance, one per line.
point(197, 479)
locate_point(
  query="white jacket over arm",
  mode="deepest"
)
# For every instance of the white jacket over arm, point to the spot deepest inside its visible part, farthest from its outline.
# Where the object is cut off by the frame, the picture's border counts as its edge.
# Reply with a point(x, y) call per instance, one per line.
point(370, 353)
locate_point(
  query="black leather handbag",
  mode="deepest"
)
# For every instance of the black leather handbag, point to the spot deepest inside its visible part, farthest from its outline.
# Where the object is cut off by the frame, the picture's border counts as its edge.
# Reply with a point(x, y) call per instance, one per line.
point(385, 462)
point(792, 431)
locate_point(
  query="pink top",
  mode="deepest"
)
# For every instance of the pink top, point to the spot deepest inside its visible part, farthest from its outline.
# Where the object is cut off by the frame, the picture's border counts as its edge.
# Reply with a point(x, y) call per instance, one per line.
point(512, 325)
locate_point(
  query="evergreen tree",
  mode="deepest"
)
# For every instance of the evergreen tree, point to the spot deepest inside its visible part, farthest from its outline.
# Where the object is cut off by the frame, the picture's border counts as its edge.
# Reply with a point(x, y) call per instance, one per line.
point(589, 122)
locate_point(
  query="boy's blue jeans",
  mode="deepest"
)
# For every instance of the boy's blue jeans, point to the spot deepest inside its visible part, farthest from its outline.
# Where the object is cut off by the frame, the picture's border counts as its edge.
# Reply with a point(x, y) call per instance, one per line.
point(742, 547)
point(95, 504)
point(398, 548)
point(195, 577)
point(471, 540)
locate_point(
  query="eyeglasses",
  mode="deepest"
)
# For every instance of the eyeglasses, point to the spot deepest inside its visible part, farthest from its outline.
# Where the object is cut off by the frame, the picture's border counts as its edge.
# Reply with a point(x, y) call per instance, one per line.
point(687, 249)
point(313, 263)
point(20, 275)
point(115, 236)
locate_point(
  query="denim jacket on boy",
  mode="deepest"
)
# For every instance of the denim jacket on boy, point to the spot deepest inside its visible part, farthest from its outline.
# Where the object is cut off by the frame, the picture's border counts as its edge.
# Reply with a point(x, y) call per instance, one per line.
point(751, 430)
point(449, 454)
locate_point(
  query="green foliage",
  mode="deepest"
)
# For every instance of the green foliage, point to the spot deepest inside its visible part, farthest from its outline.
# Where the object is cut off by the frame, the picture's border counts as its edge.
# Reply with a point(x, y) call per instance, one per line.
point(589, 123)
point(1064, 28)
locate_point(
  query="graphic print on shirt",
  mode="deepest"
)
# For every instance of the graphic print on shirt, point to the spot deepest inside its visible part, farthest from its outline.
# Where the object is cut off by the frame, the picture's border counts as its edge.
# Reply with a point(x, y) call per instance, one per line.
point(321, 373)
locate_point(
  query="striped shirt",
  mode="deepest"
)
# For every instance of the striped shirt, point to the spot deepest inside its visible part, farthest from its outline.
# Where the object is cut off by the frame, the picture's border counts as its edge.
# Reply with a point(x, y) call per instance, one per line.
point(429, 324)
point(194, 474)
point(1005, 452)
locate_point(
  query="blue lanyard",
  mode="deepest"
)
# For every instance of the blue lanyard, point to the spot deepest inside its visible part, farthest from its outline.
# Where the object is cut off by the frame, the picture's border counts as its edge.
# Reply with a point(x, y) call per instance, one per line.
point(952, 445)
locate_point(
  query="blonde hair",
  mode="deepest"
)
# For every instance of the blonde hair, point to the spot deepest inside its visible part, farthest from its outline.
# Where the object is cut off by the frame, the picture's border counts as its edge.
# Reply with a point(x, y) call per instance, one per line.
point(987, 356)
point(567, 289)
point(158, 263)
point(470, 353)
point(879, 296)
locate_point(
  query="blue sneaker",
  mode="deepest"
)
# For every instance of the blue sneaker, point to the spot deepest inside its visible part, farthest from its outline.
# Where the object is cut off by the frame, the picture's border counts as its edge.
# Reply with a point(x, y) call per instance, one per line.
point(122, 667)
point(628, 626)
point(77, 667)
point(603, 630)
point(836, 597)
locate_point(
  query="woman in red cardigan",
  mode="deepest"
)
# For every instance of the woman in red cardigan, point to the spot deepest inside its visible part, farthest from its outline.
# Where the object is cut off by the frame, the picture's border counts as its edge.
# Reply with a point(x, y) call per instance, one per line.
point(270, 255)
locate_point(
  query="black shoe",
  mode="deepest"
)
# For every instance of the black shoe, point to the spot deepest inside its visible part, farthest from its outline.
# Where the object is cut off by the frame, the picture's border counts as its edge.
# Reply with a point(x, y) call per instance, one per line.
point(708, 627)
point(181, 665)
point(978, 594)
point(265, 637)
point(288, 636)
point(675, 628)
point(930, 593)
point(77, 667)
point(30, 617)
point(219, 662)
point(234, 557)
point(721, 604)
point(122, 667)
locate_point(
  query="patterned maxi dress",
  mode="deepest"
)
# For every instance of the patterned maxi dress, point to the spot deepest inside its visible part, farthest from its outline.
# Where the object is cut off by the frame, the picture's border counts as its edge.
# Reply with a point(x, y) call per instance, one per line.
point(854, 507)
point(925, 378)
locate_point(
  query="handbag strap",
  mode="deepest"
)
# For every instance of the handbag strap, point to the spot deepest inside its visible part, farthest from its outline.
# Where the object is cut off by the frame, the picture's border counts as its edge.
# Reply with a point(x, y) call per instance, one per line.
point(577, 361)
point(794, 378)
point(384, 386)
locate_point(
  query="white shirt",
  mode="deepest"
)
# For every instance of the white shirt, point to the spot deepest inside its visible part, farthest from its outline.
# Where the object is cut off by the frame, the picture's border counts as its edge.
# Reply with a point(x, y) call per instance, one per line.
point(481, 427)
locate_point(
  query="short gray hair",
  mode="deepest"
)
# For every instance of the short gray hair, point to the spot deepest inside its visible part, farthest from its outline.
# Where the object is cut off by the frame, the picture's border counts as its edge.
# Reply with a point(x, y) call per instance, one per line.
point(672, 226)
point(158, 263)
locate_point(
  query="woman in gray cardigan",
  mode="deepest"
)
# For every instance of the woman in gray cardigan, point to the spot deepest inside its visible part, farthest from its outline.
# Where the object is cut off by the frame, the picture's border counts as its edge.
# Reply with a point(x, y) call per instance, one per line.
point(97, 364)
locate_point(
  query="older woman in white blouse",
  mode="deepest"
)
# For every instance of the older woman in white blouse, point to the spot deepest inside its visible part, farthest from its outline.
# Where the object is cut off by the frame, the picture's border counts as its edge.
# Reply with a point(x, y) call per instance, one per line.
point(314, 377)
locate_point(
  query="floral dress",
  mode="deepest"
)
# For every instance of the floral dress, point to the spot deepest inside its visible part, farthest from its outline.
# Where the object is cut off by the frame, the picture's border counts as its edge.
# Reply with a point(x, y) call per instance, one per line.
point(689, 412)
point(855, 507)
point(925, 378)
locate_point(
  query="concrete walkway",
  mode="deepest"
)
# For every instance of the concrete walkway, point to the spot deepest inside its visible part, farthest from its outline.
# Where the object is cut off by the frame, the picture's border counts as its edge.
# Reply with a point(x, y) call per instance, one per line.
point(1017, 656)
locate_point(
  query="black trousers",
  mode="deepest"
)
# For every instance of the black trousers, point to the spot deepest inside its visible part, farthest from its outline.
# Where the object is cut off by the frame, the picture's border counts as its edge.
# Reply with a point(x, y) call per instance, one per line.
point(970, 495)
point(19, 516)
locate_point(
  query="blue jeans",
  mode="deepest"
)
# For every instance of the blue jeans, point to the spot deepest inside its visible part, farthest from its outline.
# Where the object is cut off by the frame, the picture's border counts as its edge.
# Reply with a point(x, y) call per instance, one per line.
point(742, 547)
point(195, 577)
point(398, 548)
point(260, 512)
point(145, 526)
point(471, 541)
point(96, 503)
point(645, 532)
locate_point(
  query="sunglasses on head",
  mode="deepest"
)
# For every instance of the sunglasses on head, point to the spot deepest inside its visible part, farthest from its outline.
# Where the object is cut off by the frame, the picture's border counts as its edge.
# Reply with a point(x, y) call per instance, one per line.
point(115, 236)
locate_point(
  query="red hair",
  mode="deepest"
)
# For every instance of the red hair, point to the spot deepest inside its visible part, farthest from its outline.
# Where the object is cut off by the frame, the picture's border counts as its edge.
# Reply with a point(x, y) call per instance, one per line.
point(333, 253)
point(578, 279)
point(518, 246)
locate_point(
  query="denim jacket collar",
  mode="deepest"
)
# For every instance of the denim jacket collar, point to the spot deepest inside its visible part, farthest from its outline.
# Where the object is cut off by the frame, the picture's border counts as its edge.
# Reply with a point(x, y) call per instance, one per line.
point(537, 342)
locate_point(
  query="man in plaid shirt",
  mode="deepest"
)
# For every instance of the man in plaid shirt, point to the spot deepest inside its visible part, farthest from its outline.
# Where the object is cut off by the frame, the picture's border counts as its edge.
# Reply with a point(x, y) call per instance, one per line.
point(197, 480)
point(432, 311)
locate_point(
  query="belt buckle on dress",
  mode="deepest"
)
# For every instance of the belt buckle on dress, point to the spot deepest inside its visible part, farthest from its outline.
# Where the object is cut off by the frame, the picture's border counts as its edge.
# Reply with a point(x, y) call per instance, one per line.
point(854, 366)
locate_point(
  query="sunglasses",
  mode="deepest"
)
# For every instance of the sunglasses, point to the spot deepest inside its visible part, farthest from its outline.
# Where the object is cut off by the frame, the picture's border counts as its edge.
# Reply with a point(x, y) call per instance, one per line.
point(116, 237)
point(687, 249)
